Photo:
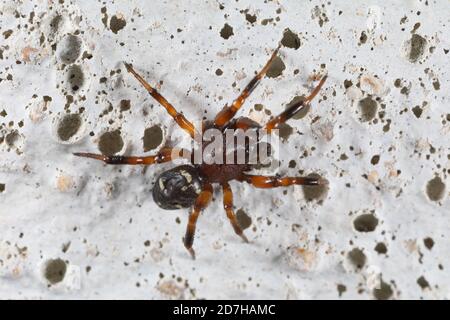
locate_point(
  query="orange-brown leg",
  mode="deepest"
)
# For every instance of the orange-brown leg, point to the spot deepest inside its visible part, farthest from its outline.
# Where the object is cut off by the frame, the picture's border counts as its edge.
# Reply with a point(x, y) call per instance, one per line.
point(274, 181)
point(164, 155)
point(292, 110)
point(228, 112)
point(178, 117)
point(201, 203)
point(244, 124)
point(228, 206)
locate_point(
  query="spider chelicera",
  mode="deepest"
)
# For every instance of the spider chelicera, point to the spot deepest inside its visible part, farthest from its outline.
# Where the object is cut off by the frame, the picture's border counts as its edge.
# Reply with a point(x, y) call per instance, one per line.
point(191, 185)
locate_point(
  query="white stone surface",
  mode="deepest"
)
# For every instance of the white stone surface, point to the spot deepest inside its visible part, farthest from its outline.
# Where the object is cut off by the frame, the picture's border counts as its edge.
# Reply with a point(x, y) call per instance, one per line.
point(102, 221)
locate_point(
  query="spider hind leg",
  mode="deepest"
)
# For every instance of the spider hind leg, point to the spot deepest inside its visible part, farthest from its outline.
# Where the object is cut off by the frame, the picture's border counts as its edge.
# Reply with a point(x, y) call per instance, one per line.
point(274, 181)
point(201, 203)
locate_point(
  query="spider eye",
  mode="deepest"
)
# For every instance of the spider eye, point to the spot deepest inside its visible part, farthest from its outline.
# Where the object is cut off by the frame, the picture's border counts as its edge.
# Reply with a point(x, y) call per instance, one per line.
point(177, 188)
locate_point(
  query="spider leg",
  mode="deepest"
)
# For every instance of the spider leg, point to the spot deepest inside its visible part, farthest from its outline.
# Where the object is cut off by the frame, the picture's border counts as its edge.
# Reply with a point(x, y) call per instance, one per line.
point(179, 118)
point(228, 206)
point(164, 155)
point(292, 110)
point(228, 112)
point(244, 124)
point(201, 203)
point(274, 181)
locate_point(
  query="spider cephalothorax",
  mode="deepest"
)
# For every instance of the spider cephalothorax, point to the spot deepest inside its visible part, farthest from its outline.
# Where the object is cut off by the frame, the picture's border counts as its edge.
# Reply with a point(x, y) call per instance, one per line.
point(191, 185)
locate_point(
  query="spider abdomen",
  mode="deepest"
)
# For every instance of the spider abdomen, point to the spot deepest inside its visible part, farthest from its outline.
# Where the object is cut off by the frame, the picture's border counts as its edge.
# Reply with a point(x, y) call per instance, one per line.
point(177, 188)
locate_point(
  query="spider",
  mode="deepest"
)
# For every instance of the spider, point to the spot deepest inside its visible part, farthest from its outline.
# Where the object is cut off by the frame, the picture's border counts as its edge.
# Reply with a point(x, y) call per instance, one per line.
point(190, 186)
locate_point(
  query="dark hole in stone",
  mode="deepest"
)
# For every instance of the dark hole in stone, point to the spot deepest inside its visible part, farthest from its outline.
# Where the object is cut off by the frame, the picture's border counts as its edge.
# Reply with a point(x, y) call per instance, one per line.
point(69, 126)
point(125, 105)
point(290, 40)
point(86, 55)
point(363, 37)
point(292, 164)
point(227, 31)
point(341, 289)
point(219, 72)
point(405, 90)
point(428, 242)
point(265, 22)
point(55, 270)
point(436, 85)
point(55, 23)
point(117, 23)
point(75, 77)
point(7, 33)
point(276, 68)
point(12, 138)
point(250, 18)
point(357, 258)
point(110, 143)
point(417, 111)
point(347, 84)
point(435, 189)
point(69, 48)
point(65, 246)
point(423, 283)
point(259, 107)
point(418, 44)
point(285, 131)
point(381, 248)
point(103, 10)
point(315, 192)
point(365, 222)
point(2, 187)
point(375, 159)
point(384, 292)
point(303, 111)
point(153, 137)
point(368, 108)
point(387, 126)
point(243, 219)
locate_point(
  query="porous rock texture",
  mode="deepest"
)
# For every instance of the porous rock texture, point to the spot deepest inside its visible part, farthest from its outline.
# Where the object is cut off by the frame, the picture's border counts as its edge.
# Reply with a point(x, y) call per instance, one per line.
point(378, 131)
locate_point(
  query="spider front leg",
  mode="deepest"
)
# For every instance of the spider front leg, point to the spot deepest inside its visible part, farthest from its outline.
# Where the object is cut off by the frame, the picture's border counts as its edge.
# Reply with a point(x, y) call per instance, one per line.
point(201, 203)
point(228, 206)
point(178, 117)
point(164, 155)
point(274, 181)
point(292, 110)
point(228, 112)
